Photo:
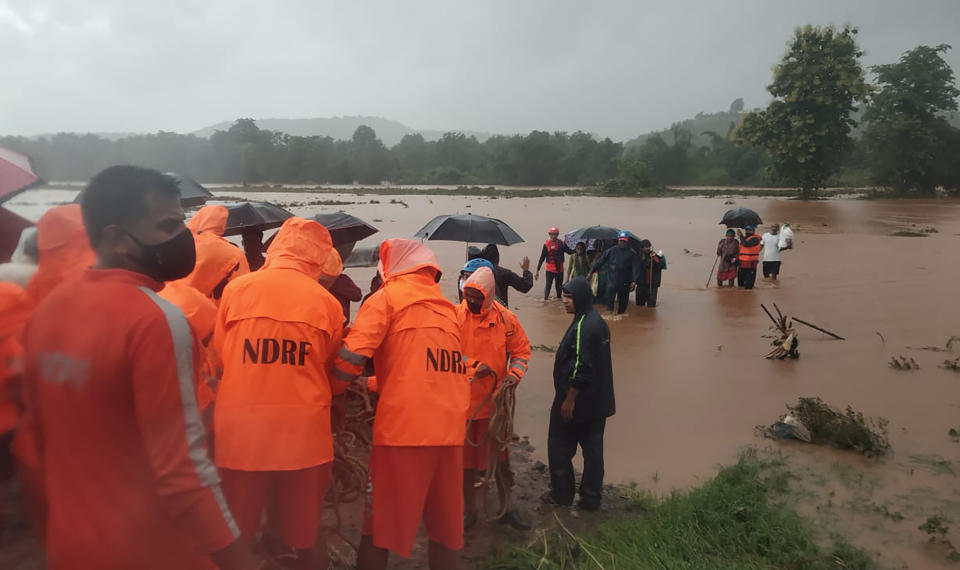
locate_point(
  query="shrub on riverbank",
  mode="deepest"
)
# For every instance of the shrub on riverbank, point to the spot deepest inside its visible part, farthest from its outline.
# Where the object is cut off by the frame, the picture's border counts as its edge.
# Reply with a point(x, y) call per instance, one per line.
point(743, 518)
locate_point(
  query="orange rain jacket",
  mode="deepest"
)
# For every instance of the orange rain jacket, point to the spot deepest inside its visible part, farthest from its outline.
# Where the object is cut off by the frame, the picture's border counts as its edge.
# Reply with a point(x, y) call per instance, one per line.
point(495, 338)
point(276, 331)
point(411, 332)
point(109, 375)
point(212, 220)
point(217, 259)
point(15, 309)
point(201, 313)
point(63, 250)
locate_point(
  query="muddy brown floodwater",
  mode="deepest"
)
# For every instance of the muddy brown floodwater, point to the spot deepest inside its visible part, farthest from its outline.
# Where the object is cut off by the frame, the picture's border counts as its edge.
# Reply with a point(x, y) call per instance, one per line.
point(691, 381)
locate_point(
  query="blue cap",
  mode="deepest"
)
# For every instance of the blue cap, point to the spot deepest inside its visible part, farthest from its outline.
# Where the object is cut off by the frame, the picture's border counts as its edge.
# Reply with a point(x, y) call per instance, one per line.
point(475, 264)
point(623, 235)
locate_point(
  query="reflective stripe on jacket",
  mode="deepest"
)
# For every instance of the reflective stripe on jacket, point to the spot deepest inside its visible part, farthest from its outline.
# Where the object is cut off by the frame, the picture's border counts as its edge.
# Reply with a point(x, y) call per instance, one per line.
point(109, 381)
point(495, 338)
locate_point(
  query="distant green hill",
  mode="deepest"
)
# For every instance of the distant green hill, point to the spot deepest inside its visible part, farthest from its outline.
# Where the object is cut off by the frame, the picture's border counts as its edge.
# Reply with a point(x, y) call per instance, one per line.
point(340, 128)
point(720, 123)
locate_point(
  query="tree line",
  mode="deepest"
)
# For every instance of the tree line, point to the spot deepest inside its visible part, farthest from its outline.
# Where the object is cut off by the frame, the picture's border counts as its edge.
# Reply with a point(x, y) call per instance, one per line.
point(825, 125)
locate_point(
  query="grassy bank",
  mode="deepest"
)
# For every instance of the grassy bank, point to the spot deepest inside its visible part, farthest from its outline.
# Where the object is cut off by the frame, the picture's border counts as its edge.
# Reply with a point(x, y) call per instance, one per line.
point(743, 518)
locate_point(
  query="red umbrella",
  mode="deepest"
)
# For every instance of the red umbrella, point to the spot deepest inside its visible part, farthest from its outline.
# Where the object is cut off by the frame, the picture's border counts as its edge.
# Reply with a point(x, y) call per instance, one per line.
point(16, 175)
point(11, 226)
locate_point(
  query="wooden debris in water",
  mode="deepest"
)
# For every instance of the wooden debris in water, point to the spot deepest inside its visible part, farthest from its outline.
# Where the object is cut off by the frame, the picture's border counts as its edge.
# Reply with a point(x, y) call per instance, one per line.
point(815, 327)
point(900, 362)
point(786, 344)
point(952, 364)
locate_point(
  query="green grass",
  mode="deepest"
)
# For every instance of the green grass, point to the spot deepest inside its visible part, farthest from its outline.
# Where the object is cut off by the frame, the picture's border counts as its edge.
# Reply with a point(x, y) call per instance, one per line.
point(743, 518)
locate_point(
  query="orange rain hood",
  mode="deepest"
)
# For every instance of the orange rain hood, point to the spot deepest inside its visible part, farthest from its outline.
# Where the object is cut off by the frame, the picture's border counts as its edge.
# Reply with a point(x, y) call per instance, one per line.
point(209, 219)
point(216, 258)
point(63, 250)
point(303, 245)
point(403, 257)
point(482, 280)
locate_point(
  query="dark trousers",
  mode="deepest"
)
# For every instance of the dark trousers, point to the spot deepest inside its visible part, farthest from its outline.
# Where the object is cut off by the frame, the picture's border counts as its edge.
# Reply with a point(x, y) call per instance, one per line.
point(747, 277)
point(562, 441)
point(553, 278)
point(771, 269)
point(620, 294)
point(646, 295)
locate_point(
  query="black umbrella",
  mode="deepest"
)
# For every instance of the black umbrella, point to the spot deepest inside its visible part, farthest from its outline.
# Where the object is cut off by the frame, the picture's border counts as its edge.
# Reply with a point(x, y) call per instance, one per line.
point(191, 192)
point(592, 233)
point(741, 217)
point(469, 228)
point(345, 228)
point(254, 215)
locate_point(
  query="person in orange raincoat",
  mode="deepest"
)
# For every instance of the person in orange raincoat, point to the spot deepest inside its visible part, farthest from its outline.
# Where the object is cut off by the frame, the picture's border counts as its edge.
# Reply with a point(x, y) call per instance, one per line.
point(497, 352)
point(201, 313)
point(212, 220)
point(63, 250)
point(109, 376)
point(276, 331)
point(197, 296)
point(416, 466)
point(15, 310)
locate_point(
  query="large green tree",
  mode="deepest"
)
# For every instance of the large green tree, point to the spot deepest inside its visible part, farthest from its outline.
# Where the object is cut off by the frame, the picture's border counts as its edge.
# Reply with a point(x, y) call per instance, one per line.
point(816, 88)
point(907, 131)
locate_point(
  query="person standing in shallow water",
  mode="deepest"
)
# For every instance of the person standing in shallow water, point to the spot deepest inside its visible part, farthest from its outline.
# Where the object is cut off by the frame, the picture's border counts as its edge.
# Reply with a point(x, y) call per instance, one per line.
point(728, 250)
point(649, 274)
point(749, 257)
point(622, 278)
point(771, 252)
point(552, 252)
point(583, 381)
point(580, 262)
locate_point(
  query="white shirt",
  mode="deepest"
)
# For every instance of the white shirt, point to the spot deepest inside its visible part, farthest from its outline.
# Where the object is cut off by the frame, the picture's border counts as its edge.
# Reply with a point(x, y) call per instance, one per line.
point(771, 247)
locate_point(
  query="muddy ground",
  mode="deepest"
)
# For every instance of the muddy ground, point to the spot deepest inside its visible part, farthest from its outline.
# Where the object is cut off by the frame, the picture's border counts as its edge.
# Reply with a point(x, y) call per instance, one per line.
point(690, 378)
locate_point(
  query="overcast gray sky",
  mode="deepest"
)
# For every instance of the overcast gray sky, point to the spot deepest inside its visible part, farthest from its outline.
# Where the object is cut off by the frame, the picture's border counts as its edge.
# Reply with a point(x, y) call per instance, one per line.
point(617, 69)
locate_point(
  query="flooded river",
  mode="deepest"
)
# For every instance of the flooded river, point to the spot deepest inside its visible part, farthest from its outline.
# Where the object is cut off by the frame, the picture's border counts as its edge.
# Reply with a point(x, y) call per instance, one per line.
point(691, 381)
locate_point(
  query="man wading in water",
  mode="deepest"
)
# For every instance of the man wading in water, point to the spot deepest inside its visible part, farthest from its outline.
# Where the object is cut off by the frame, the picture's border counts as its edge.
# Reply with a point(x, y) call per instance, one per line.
point(583, 380)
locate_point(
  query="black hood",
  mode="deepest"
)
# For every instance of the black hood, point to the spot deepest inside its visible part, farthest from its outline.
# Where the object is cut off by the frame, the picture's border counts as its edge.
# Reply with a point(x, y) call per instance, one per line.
point(492, 254)
point(579, 289)
point(473, 252)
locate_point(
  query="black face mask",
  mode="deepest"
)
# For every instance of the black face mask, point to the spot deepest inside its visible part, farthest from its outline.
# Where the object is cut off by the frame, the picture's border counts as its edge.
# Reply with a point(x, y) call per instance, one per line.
point(169, 260)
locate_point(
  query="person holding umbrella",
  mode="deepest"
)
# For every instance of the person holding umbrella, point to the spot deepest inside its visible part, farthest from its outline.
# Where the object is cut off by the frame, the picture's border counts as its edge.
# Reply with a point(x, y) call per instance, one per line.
point(750, 246)
point(552, 253)
point(623, 264)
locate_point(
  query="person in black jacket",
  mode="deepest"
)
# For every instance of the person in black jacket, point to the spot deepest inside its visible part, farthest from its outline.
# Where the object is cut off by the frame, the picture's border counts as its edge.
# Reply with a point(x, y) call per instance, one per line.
point(623, 266)
point(505, 278)
point(649, 274)
point(583, 380)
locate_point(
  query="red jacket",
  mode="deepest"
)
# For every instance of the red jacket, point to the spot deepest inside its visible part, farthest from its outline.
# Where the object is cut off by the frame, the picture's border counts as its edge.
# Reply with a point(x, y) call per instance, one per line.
point(110, 371)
